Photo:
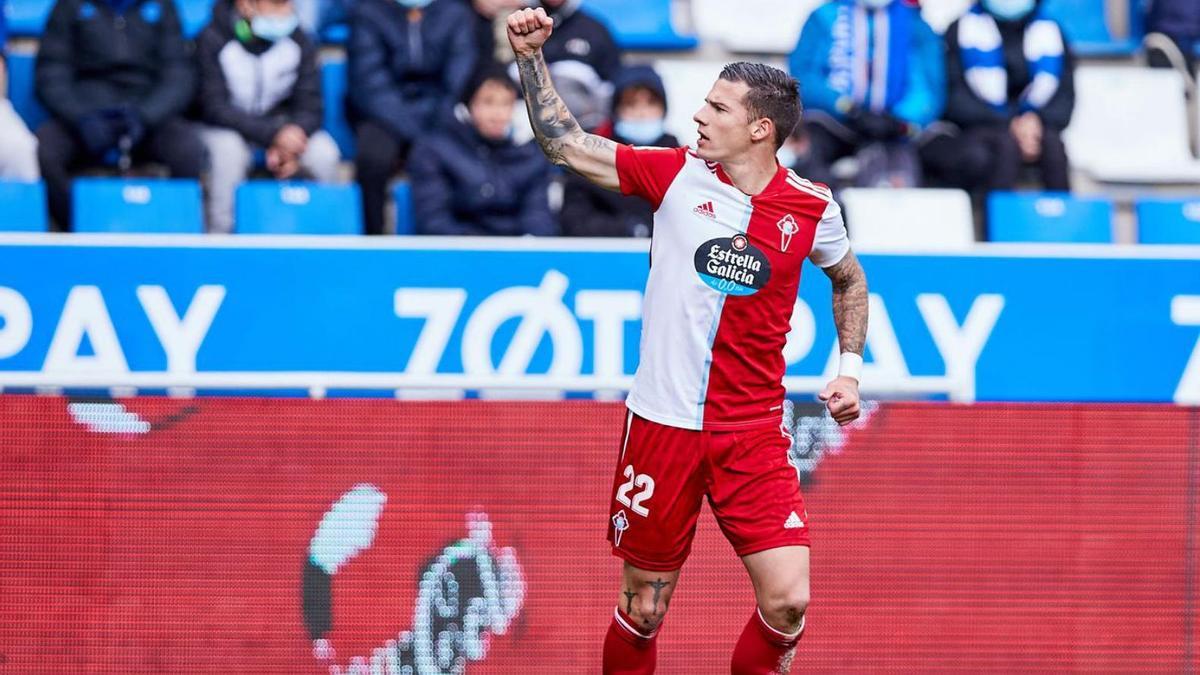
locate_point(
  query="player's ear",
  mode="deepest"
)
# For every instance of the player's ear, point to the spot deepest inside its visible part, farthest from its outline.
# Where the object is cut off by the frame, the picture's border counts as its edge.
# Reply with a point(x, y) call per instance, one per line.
point(762, 128)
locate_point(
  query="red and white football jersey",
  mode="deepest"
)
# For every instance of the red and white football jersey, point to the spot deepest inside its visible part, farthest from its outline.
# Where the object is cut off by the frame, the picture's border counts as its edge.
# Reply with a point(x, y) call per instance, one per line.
point(724, 275)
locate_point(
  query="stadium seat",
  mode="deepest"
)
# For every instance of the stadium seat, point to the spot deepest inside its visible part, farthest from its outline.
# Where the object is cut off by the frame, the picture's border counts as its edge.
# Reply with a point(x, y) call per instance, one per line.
point(335, 34)
point(1130, 126)
point(406, 221)
point(1085, 23)
point(23, 207)
point(900, 219)
point(194, 15)
point(640, 24)
point(1049, 217)
point(154, 205)
point(27, 18)
point(20, 89)
point(333, 91)
point(297, 207)
point(745, 30)
point(1168, 221)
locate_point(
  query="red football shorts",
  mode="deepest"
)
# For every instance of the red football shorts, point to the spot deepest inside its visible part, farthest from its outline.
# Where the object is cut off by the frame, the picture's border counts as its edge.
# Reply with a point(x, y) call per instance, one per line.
point(663, 474)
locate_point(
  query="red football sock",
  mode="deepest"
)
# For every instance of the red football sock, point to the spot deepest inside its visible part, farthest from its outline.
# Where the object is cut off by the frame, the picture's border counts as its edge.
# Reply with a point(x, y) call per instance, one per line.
point(762, 650)
point(628, 651)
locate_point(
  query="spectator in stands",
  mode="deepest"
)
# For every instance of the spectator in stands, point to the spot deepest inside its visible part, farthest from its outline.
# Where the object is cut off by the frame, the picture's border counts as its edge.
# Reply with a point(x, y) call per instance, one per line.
point(638, 113)
point(18, 147)
point(115, 76)
point(1179, 22)
point(470, 178)
point(408, 63)
point(578, 36)
point(260, 88)
point(489, 23)
point(868, 95)
point(1010, 95)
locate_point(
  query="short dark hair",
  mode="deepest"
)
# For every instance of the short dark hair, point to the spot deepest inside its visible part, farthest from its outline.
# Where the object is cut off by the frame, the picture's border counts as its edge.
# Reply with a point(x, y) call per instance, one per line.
point(773, 94)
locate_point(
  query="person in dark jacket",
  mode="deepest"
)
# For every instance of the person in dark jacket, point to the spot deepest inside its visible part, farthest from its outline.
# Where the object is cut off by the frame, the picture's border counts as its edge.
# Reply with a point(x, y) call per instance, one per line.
point(260, 87)
point(1010, 95)
point(578, 36)
point(115, 76)
point(638, 112)
point(471, 179)
point(408, 63)
point(1179, 21)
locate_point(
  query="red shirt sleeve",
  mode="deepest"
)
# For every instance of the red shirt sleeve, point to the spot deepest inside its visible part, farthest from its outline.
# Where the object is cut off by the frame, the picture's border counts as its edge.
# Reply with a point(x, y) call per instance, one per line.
point(648, 172)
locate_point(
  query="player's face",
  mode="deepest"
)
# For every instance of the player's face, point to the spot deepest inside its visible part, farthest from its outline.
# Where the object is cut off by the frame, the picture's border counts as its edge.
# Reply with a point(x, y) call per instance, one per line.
point(492, 109)
point(723, 122)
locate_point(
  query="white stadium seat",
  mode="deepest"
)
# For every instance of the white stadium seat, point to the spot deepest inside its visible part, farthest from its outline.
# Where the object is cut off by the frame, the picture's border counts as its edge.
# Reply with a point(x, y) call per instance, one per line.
point(908, 219)
point(756, 26)
point(1130, 126)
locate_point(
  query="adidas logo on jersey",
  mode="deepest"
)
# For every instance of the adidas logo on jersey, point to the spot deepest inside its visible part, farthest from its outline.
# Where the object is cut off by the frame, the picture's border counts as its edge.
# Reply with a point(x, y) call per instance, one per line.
point(706, 210)
point(793, 522)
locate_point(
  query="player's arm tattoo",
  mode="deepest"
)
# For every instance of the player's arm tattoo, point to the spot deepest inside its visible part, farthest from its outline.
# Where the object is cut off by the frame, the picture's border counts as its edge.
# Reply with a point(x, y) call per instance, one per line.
point(849, 302)
point(561, 138)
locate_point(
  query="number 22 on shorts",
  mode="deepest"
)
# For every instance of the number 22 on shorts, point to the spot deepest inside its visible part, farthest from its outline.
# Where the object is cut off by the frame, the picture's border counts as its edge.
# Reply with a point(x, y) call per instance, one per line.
point(636, 481)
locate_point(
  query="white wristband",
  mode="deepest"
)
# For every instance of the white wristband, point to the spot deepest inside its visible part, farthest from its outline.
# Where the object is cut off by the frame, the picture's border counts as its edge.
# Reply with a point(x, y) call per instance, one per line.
point(851, 365)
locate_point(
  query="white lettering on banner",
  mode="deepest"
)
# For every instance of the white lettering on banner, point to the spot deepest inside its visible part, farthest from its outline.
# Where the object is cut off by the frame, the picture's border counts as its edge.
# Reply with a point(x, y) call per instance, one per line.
point(541, 312)
point(181, 338)
point(85, 314)
point(887, 361)
point(608, 310)
point(802, 334)
point(440, 307)
point(1185, 311)
point(960, 347)
point(18, 322)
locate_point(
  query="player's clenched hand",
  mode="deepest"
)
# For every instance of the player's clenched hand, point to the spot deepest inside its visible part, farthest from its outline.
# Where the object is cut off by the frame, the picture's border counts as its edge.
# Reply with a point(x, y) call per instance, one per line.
point(841, 397)
point(528, 30)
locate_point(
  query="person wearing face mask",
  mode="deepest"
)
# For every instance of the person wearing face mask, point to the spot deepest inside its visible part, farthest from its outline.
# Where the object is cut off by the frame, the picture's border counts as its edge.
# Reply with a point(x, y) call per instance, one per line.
point(407, 64)
point(116, 77)
point(639, 109)
point(260, 88)
point(470, 178)
point(1010, 95)
point(872, 76)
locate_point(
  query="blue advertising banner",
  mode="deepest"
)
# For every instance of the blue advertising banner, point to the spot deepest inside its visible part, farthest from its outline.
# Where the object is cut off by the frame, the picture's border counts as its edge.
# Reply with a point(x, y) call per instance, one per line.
point(1000, 323)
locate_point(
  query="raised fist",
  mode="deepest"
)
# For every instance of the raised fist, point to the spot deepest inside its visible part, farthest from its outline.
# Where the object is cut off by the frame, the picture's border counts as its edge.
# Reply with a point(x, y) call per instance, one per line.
point(528, 30)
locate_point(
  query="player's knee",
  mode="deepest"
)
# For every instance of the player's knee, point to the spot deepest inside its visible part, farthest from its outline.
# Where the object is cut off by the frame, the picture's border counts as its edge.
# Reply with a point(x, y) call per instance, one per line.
point(648, 611)
point(785, 609)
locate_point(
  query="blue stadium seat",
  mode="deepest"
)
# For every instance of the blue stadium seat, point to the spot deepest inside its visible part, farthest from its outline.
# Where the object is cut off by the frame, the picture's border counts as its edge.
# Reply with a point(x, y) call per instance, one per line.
point(333, 91)
point(194, 15)
point(335, 34)
point(640, 24)
point(20, 89)
point(1049, 217)
point(27, 18)
point(23, 207)
point(297, 207)
point(406, 221)
point(154, 205)
point(1168, 221)
point(1087, 28)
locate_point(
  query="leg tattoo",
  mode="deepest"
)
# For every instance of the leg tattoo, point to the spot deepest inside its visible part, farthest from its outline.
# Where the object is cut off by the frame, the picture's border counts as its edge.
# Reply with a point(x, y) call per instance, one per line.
point(629, 596)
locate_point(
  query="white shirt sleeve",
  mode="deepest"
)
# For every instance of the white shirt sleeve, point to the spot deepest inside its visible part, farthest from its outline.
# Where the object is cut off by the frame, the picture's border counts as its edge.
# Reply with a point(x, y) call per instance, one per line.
point(830, 244)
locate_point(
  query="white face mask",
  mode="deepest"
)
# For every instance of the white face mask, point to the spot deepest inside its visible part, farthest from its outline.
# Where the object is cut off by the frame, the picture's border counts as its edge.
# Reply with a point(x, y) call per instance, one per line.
point(272, 28)
point(875, 4)
point(1009, 10)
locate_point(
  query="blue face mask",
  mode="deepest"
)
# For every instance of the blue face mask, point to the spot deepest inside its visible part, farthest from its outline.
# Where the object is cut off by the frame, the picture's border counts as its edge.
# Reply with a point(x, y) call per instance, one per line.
point(875, 4)
point(640, 132)
point(414, 4)
point(272, 28)
point(1009, 10)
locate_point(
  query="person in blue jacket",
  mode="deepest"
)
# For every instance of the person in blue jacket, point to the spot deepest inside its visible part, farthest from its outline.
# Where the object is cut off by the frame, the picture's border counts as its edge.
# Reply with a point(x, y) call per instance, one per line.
point(470, 178)
point(408, 61)
point(871, 78)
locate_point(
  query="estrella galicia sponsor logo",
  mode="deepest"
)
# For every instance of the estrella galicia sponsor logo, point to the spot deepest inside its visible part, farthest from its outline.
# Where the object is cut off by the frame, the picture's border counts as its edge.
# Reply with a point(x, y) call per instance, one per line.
point(733, 265)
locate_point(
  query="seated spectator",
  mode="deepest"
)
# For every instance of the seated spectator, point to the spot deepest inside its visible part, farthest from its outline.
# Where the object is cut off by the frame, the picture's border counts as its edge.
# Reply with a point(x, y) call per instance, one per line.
point(868, 95)
point(1010, 95)
point(470, 178)
point(1179, 22)
point(115, 76)
point(260, 89)
point(489, 24)
point(638, 112)
point(578, 36)
point(408, 62)
point(18, 147)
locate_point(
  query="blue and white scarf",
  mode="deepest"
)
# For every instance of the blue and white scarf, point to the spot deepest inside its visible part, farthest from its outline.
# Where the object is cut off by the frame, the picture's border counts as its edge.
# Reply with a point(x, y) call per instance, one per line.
point(870, 63)
point(983, 60)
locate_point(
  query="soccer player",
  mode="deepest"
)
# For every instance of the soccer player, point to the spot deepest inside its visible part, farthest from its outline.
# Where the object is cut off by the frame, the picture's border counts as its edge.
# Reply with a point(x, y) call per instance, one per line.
point(731, 231)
